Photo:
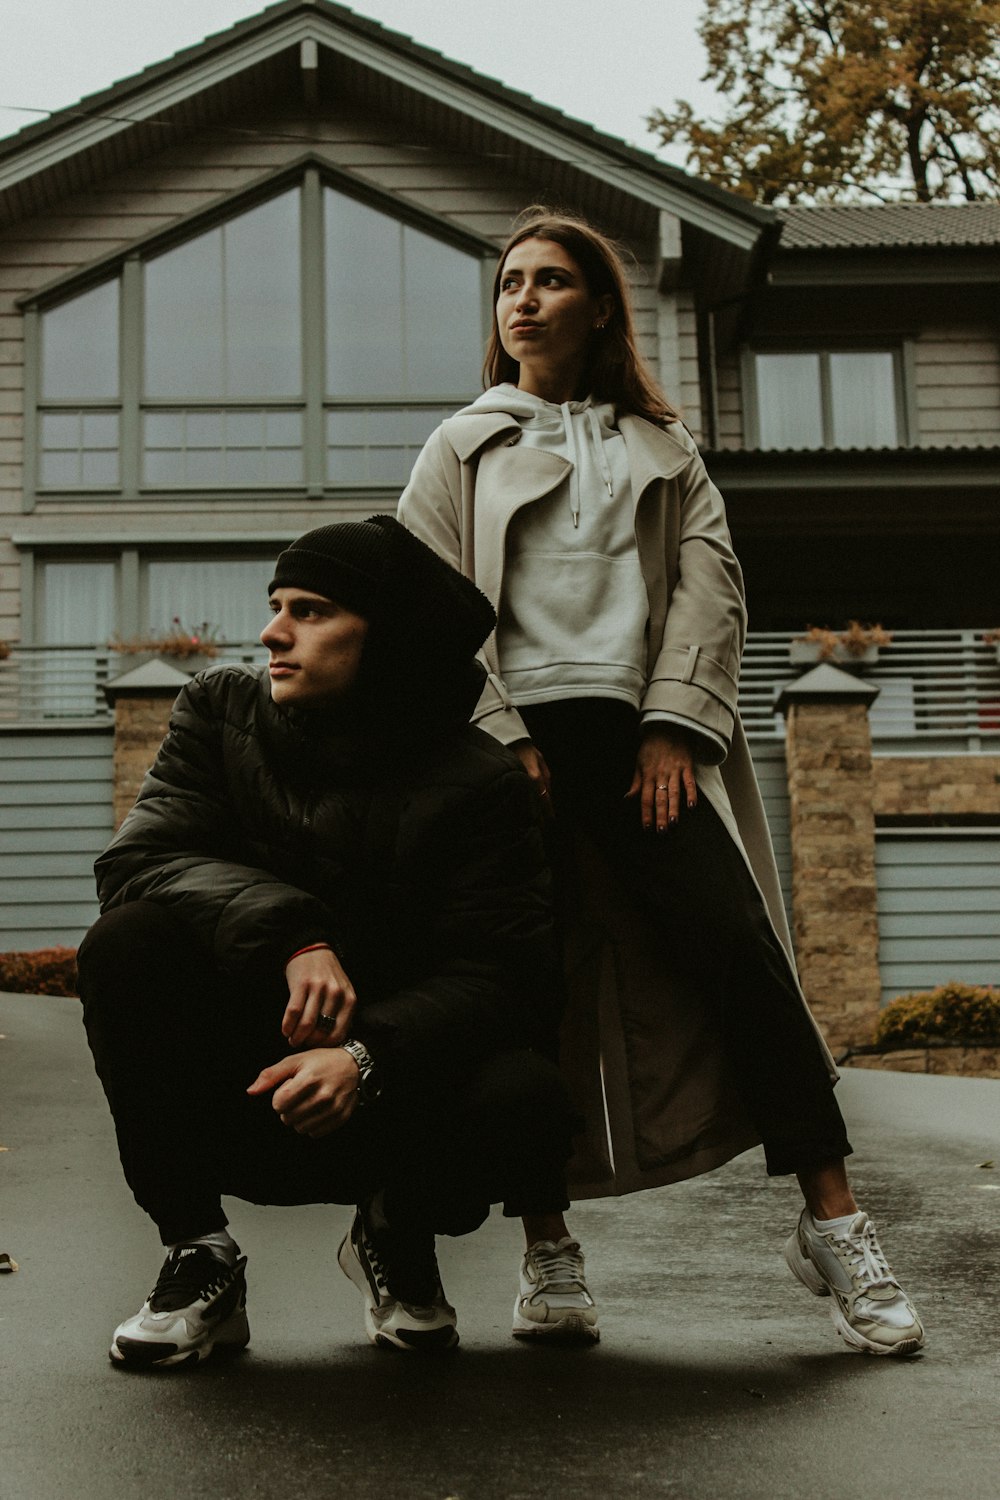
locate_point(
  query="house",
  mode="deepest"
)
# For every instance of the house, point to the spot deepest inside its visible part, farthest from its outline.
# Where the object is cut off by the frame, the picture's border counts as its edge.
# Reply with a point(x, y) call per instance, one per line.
point(238, 290)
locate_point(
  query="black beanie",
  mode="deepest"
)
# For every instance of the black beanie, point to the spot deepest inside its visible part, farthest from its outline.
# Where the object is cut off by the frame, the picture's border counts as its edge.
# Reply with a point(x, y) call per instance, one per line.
point(416, 602)
point(342, 562)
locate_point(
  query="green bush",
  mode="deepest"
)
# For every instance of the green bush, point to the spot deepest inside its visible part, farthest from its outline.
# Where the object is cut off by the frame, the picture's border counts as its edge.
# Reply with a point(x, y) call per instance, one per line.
point(46, 971)
point(951, 1013)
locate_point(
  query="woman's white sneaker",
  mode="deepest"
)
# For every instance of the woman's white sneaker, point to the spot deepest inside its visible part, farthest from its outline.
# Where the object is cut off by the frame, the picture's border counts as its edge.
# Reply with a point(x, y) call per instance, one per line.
point(870, 1310)
point(553, 1301)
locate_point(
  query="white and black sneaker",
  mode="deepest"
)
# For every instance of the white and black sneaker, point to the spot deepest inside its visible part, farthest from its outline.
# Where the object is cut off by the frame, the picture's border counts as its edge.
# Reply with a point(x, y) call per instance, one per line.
point(397, 1275)
point(198, 1304)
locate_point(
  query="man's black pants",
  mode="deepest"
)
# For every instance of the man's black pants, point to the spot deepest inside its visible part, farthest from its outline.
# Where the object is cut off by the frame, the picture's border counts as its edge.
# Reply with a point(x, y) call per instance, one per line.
point(176, 1045)
point(693, 886)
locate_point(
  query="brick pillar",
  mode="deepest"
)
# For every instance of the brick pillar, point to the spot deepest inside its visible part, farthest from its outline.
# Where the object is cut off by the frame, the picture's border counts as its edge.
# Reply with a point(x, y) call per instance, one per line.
point(142, 700)
point(834, 894)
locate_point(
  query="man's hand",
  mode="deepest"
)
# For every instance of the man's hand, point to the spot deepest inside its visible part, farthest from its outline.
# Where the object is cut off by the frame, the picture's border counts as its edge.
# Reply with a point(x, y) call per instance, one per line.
point(317, 986)
point(664, 775)
point(315, 1092)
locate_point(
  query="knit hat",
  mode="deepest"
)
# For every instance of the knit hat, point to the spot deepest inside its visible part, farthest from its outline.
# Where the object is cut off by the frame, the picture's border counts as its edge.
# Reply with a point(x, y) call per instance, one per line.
point(417, 605)
point(342, 562)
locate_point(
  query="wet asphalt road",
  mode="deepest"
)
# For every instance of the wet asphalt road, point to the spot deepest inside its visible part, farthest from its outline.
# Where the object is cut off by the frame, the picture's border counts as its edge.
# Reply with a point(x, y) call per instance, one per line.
point(718, 1376)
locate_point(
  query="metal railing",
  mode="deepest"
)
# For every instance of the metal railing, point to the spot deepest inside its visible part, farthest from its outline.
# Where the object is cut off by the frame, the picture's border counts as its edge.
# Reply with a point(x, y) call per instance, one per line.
point(53, 684)
point(938, 687)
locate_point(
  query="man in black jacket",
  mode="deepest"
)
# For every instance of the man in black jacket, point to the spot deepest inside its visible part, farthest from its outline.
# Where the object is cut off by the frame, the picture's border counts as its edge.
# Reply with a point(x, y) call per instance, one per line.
point(324, 969)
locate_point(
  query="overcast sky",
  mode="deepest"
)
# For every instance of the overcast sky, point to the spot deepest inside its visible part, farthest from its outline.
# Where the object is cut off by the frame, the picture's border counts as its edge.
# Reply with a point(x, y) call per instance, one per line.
point(607, 62)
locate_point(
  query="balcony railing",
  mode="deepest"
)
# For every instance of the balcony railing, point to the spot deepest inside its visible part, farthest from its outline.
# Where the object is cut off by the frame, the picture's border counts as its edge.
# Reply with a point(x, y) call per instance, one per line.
point(941, 687)
point(53, 684)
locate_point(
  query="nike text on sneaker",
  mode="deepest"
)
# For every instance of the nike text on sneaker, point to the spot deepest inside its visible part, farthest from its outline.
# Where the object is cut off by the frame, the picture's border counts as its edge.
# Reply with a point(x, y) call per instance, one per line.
point(397, 1275)
point(198, 1304)
point(553, 1301)
point(870, 1310)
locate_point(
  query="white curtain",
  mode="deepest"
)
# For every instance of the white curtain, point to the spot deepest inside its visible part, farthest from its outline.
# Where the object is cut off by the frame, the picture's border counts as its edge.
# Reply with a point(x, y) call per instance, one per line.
point(789, 406)
point(229, 595)
point(79, 603)
point(863, 396)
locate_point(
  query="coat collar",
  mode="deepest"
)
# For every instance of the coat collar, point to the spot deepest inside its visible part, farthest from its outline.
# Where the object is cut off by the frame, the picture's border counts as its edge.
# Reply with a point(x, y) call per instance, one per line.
point(653, 452)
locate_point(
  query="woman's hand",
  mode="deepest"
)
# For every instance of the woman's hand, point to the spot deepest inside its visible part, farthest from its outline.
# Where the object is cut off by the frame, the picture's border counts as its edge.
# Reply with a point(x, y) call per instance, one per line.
point(533, 762)
point(664, 775)
point(315, 1093)
point(317, 986)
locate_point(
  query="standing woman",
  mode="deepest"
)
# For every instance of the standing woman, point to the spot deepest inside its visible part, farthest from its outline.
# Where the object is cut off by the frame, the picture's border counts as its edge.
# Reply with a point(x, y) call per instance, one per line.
point(573, 495)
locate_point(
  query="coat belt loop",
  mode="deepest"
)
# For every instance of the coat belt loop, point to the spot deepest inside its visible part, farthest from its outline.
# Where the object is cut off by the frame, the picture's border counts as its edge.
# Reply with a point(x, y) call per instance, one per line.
point(501, 688)
point(689, 665)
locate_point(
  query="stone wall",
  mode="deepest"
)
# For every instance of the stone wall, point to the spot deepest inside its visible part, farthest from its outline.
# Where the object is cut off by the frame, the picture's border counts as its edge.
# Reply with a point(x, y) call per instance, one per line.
point(140, 724)
point(932, 786)
point(834, 898)
point(955, 1062)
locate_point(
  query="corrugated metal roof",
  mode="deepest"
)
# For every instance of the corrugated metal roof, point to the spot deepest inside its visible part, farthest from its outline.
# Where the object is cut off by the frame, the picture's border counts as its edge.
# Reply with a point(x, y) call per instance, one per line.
point(873, 226)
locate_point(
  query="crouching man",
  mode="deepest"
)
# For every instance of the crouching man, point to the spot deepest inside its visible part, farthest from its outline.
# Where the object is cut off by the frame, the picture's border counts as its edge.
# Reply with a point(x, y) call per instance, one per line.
point(323, 969)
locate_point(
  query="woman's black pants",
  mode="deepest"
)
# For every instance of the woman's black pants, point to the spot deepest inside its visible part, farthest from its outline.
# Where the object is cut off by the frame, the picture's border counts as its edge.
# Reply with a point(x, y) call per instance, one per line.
point(175, 1046)
point(693, 886)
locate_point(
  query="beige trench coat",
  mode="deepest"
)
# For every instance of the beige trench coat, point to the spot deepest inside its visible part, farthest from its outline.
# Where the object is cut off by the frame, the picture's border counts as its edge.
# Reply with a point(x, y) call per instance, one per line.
point(644, 1067)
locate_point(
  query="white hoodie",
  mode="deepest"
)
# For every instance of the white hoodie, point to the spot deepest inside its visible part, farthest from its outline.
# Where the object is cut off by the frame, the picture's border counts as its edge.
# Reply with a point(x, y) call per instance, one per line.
point(574, 610)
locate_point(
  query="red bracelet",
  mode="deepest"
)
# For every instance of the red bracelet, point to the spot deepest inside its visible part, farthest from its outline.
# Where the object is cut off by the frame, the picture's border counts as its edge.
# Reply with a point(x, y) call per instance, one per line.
point(309, 948)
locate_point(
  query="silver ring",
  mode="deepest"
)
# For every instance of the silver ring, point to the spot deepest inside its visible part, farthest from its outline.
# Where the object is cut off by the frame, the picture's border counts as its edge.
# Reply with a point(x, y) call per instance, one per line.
point(662, 786)
point(325, 1022)
point(543, 793)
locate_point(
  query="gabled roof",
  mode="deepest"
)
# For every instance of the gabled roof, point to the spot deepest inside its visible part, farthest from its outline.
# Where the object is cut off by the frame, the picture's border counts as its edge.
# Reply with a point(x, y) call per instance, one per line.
point(895, 226)
point(226, 71)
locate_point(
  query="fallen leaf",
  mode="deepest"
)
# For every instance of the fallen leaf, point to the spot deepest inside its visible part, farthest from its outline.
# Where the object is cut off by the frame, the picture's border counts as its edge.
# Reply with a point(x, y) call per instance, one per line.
point(986, 1164)
point(6, 1264)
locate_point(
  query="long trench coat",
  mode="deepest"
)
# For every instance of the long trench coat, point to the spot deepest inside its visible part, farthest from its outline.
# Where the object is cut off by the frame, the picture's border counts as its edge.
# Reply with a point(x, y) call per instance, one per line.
point(643, 1063)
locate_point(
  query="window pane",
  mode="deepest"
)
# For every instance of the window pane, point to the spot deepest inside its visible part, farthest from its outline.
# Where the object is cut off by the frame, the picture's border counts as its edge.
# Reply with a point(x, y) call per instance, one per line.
point(232, 449)
point(403, 309)
point(789, 405)
point(80, 346)
point(184, 324)
point(377, 445)
point(863, 395)
point(223, 311)
point(443, 300)
point(79, 603)
point(78, 450)
point(231, 595)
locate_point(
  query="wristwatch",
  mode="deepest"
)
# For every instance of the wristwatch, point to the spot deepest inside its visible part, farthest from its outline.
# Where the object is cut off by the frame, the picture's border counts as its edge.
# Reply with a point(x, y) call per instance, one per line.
point(369, 1087)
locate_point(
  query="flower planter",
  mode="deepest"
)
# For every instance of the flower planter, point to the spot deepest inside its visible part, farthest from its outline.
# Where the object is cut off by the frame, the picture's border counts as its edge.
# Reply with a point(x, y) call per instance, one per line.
point(120, 662)
point(809, 653)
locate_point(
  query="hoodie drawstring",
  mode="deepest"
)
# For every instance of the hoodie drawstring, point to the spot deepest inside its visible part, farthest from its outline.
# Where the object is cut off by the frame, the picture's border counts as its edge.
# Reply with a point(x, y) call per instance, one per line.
point(573, 456)
point(602, 457)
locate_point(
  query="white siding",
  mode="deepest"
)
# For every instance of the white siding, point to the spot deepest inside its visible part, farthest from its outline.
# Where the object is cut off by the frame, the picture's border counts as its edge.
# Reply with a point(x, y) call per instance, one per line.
point(55, 818)
point(939, 908)
point(957, 397)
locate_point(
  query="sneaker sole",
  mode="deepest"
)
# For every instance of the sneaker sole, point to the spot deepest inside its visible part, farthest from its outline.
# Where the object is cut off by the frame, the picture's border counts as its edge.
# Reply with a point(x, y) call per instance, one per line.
point(386, 1334)
point(803, 1269)
point(573, 1329)
point(143, 1354)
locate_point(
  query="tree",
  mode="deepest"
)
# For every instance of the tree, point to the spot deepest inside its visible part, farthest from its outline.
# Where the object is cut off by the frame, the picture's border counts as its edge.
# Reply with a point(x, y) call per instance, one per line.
point(836, 99)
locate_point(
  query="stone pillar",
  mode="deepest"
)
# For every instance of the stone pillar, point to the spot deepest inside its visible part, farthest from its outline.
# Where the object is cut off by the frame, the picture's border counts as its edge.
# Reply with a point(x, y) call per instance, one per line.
point(834, 893)
point(142, 700)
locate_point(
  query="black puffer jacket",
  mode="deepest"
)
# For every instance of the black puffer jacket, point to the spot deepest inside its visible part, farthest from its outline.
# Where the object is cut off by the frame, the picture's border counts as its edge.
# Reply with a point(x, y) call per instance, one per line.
point(416, 854)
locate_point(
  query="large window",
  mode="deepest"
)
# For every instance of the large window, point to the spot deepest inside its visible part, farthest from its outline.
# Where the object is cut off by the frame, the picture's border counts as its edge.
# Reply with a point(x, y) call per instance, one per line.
point(827, 399)
point(310, 341)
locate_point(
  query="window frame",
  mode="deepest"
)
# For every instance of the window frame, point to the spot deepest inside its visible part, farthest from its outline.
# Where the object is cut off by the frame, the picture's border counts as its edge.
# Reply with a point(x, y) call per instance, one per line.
point(311, 176)
point(823, 348)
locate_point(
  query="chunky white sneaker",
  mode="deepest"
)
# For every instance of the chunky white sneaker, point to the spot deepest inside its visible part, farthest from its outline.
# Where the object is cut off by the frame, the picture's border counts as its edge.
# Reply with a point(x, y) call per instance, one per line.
point(198, 1304)
point(553, 1301)
point(397, 1275)
point(870, 1310)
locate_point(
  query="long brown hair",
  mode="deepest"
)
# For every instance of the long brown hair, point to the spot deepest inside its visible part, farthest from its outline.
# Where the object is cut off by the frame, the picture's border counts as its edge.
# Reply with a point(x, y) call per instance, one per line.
point(615, 369)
